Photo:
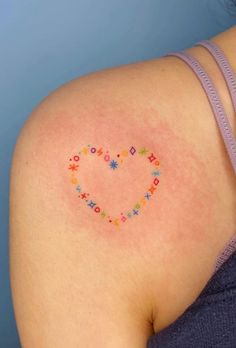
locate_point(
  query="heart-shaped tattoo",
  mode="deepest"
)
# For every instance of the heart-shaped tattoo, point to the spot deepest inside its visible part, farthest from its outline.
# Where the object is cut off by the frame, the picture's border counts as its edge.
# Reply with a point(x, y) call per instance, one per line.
point(115, 163)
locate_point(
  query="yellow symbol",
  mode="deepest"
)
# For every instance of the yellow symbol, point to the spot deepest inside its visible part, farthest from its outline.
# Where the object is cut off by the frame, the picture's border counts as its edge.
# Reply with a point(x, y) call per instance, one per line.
point(103, 214)
point(74, 180)
point(124, 153)
point(116, 222)
point(143, 151)
point(85, 150)
point(137, 206)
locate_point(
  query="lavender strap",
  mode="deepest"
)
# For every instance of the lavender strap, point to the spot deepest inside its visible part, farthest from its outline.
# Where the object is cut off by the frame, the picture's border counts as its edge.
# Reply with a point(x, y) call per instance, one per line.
point(216, 104)
point(223, 123)
point(224, 66)
point(228, 250)
point(230, 79)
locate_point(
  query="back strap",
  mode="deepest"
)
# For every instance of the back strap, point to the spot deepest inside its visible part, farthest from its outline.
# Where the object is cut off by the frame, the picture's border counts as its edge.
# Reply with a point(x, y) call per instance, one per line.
point(216, 104)
point(224, 65)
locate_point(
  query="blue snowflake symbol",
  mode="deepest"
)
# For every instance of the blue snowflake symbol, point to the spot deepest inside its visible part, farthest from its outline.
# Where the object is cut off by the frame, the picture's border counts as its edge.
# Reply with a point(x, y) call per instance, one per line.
point(113, 164)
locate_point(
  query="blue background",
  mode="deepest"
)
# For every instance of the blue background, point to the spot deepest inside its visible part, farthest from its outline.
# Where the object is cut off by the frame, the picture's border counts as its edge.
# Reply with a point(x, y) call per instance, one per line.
point(46, 43)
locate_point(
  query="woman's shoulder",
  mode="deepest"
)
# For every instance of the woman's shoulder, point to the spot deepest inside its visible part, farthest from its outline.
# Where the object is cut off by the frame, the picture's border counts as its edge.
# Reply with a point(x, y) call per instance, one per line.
point(124, 170)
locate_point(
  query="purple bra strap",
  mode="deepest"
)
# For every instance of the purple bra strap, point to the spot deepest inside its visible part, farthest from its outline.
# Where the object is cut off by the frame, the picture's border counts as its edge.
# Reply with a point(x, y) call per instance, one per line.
point(228, 250)
point(224, 66)
point(216, 104)
point(225, 129)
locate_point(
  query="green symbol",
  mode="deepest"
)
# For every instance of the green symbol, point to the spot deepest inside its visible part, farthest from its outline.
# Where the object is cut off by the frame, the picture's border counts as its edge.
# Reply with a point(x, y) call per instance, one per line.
point(143, 151)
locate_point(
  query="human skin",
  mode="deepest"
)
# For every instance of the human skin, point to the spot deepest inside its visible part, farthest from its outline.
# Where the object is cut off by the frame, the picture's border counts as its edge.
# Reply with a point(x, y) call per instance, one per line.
point(79, 280)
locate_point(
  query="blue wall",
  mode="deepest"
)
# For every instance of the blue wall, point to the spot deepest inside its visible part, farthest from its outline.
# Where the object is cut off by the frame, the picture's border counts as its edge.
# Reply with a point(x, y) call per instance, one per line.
point(49, 42)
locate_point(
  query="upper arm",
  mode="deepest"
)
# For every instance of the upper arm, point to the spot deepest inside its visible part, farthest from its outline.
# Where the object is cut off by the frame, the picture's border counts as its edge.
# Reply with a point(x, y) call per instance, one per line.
point(87, 276)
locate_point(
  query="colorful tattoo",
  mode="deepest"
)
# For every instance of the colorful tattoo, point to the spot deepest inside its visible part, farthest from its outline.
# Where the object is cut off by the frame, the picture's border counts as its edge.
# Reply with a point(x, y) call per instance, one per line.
point(114, 164)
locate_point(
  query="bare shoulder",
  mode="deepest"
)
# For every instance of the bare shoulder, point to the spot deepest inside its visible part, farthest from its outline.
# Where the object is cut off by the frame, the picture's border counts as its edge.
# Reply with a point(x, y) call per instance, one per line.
point(114, 207)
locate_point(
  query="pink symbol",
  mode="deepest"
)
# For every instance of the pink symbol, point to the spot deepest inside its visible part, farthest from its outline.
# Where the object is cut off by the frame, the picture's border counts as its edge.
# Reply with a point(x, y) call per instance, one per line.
point(132, 150)
point(107, 158)
point(151, 158)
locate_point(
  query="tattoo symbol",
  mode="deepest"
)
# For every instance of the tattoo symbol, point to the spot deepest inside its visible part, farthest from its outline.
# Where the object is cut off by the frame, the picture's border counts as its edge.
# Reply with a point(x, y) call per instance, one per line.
point(99, 152)
point(156, 181)
point(143, 151)
point(85, 150)
point(152, 189)
point(147, 195)
point(156, 173)
point(132, 150)
point(113, 164)
point(103, 214)
point(84, 195)
point(78, 188)
point(91, 204)
point(73, 167)
point(151, 158)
